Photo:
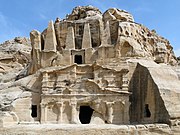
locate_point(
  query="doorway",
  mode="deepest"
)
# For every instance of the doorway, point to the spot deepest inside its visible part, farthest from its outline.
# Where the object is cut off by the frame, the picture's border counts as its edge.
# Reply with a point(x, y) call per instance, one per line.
point(147, 112)
point(34, 111)
point(85, 114)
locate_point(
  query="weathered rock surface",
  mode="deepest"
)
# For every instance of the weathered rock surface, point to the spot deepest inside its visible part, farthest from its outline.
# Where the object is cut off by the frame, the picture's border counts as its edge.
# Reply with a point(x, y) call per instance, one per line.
point(117, 14)
point(153, 83)
point(90, 68)
point(84, 12)
point(14, 57)
point(46, 129)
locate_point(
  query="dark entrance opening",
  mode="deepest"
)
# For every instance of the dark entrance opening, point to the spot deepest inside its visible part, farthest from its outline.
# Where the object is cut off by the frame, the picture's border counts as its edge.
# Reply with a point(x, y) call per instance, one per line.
point(78, 59)
point(147, 112)
point(34, 111)
point(85, 114)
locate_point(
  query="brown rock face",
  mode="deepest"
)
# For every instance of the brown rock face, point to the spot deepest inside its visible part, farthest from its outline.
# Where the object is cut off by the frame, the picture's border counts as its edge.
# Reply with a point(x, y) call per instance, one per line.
point(83, 12)
point(115, 28)
point(14, 56)
point(94, 68)
point(117, 14)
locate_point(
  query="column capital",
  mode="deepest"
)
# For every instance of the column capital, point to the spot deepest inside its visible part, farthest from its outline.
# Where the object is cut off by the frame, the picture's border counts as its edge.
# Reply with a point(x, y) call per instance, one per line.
point(109, 104)
point(60, 103)
point(45, 76)
point(43, 105)
point(97, 101)
point(73, 103)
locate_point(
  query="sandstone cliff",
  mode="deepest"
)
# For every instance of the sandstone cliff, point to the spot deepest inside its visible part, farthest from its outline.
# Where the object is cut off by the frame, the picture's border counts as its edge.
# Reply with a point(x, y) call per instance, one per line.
point(14, 59)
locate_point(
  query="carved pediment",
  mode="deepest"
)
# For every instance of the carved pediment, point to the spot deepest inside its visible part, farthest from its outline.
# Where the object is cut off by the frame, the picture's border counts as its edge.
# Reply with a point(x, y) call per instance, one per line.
point(91, 87)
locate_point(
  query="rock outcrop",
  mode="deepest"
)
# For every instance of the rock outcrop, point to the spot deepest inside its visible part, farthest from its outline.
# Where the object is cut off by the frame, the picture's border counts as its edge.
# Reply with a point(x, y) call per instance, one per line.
point(14, 59)
point(84, 12)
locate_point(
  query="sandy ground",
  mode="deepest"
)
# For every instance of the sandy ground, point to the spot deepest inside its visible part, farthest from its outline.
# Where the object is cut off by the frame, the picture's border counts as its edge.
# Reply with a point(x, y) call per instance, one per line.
point(84, 129)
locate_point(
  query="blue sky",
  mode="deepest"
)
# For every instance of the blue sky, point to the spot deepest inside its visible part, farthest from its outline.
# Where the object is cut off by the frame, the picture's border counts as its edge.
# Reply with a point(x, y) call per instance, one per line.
point(19, 17)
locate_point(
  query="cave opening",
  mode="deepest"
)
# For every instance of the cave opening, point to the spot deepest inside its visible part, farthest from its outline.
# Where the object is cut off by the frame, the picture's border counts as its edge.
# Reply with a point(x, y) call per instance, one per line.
point(85, 114)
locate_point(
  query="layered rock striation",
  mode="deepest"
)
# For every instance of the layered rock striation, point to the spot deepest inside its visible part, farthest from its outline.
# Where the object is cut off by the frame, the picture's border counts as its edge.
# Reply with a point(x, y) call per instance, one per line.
point(115, 28)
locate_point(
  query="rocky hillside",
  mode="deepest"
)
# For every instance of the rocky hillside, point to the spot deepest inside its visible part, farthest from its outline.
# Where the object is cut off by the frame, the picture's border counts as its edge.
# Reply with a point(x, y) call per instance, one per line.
point(142, 41)
point(14, 57)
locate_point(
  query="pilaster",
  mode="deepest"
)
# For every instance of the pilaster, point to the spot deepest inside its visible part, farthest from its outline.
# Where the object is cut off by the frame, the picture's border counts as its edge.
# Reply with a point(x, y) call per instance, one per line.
point(109, 112)
point(43, 113)
point(60, 106)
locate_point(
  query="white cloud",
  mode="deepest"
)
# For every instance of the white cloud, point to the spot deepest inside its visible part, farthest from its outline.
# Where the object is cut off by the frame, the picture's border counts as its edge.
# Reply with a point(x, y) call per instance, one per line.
point(177, 52)
point(42, 16)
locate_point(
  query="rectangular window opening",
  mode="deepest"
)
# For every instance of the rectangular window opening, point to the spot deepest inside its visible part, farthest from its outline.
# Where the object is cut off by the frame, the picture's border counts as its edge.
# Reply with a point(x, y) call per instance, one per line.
point(78, 59)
